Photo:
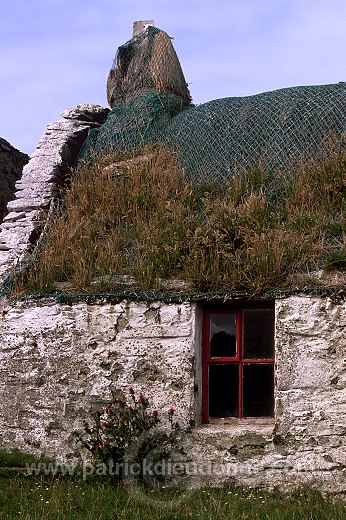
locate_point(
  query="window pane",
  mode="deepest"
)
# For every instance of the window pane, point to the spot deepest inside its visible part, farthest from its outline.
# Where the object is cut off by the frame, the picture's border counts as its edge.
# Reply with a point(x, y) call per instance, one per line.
point(258, 390)
point(222, 335)
point(258, 337)
point(223, 390)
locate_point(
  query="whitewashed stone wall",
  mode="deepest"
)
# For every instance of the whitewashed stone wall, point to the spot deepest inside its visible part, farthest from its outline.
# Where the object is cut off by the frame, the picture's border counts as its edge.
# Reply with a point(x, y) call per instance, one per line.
point(59, 361)
point(306, 443)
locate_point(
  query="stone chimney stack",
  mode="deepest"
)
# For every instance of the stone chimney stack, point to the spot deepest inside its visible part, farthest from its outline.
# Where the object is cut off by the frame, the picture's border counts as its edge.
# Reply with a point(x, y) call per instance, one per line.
point(147, 63)
point(141, 25)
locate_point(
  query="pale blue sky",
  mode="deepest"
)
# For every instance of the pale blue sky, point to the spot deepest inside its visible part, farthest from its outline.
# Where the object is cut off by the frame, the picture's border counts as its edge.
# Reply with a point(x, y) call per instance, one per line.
point(55, 54)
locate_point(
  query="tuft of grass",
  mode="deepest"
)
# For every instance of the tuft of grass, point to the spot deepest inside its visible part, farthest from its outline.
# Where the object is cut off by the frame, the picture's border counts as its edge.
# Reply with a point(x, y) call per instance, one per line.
point(135, 214)
point(336, 260)
point(134, 218)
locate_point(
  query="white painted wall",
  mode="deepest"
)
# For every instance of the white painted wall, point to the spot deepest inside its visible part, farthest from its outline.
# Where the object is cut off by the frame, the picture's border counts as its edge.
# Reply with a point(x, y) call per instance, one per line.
point(57, 362)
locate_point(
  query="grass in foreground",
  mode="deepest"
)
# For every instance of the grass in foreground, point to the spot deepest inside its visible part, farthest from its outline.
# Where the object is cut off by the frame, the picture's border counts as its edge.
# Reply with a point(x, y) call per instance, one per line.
point(43, 498)
point(145, 220)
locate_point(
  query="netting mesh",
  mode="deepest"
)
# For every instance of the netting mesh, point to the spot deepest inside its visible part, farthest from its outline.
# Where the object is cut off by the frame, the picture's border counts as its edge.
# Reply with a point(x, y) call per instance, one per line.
point(146, 63)
point(143, 120)
point(337, 295)
point(224, 136)
point(150, 103)
point(270, 129)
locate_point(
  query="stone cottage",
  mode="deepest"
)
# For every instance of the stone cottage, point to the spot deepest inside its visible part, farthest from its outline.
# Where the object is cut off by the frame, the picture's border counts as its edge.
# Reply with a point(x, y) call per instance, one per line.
point(262, 380)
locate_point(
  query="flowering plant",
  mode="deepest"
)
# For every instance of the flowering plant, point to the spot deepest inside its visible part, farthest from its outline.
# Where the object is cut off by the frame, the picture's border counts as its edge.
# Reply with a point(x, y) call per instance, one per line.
point(126, 422)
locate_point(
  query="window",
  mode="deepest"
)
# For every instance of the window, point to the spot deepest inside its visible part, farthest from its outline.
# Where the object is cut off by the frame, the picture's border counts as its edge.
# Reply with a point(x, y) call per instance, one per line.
point(238, 362)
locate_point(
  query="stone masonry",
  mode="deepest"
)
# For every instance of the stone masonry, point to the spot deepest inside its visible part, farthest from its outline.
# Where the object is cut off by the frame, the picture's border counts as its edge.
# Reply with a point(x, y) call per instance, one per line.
point(41, 181)
point(59, 361)
point(11, 166)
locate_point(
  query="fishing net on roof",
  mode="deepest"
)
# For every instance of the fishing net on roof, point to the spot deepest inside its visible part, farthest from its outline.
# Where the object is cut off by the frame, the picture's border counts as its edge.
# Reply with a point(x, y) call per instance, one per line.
point(151, 103)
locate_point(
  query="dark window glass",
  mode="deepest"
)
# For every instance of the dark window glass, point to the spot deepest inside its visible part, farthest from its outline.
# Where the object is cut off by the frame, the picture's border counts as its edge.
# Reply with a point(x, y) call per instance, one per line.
point(223, 390)
point(222, 335)
point(258, 389)
point(258, 337)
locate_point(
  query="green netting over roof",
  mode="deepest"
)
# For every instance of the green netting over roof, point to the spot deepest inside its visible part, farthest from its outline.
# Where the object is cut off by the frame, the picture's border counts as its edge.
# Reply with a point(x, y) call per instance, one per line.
point(151, 103)
point(220, 137)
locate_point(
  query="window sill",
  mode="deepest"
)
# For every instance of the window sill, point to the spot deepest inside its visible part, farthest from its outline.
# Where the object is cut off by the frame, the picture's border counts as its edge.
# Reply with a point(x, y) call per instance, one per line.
point(235, 427)
point(232, 421)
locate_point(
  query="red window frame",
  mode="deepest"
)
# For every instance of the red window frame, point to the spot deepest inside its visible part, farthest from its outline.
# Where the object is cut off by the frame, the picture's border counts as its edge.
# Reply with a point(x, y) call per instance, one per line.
point(207, 360)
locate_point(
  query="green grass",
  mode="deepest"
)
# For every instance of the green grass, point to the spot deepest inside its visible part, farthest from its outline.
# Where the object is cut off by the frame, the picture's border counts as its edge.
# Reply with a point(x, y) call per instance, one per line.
point(44, 498)
point(72, 497)
point(19, 459)
point(256, 231)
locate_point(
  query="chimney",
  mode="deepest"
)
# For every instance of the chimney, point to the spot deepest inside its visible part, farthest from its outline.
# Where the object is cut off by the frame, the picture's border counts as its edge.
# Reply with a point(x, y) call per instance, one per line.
point(141, 25)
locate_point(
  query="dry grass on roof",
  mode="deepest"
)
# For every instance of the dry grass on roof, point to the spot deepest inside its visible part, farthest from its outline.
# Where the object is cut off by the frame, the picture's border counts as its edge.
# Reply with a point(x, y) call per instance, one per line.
point(137, 215)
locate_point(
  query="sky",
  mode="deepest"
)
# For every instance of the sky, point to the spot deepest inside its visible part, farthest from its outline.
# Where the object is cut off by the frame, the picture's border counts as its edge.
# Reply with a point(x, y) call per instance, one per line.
point(55, 54)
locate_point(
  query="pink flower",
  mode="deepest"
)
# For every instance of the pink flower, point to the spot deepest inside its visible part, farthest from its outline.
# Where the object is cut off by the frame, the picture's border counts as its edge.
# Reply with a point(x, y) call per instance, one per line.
point(142, 398)
point(171, 411)
point(110, 410)
point(97, 447)
point(155, 413)
point(131, 390)
point(105, 444)
point(104, 424)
